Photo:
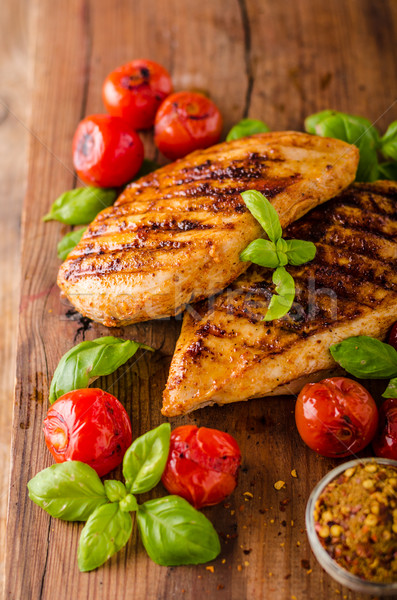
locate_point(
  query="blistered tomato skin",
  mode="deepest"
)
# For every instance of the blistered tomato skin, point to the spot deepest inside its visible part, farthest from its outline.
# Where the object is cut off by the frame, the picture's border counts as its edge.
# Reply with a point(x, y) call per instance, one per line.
point(202, 465)
point(135, 91)
point(336, 417)
point(186, 121)
point(107, 152)
point(88, 425)
point(385, 442)
point(392, 339)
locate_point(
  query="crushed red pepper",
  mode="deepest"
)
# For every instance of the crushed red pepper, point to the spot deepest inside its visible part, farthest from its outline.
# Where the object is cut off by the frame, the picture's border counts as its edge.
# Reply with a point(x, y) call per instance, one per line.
point(356, 521)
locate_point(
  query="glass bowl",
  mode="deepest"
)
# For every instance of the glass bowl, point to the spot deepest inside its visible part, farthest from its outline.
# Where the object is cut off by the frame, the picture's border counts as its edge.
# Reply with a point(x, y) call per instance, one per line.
point(338, 573)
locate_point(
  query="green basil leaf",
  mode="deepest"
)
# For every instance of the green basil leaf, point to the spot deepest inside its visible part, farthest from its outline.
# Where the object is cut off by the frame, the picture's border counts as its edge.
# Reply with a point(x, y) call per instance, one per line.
point(71, 491)
point(88, 360)
point(115, 490)
point(128, 503)
point(81, 205)
point(300, 251)
point(357, 131)
point(313, 122)
point(391, 390)
point(175, 533)
point(388, 170)
point(260, 208)
point(246, 127)
point(145, 459)
point(261, 252)
point(107, 530)
point(281, 302)
point(68, 242)
point(148, 166)
point(366, 357)
point(389, 142)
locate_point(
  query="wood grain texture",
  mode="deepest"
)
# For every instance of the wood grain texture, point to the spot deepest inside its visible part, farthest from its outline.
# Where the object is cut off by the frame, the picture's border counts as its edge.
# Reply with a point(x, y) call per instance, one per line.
point(13, 143)
point(275, 61)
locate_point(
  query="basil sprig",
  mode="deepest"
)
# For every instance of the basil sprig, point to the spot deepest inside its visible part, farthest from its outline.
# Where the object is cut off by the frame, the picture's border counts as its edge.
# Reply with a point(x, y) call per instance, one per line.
point(68, 242)
point(173, 532)
point(360, 132)
point(81, 205)
point(368, 358)
point(246, 127)
point(275, 253)
point(89, 360)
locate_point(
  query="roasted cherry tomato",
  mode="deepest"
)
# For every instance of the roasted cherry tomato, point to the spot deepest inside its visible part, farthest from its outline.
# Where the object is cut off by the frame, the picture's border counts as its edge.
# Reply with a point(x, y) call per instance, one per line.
point(135, 91)
point(336, 417)
point(202, 465)
point(392, 339)
point(186, 121)
point(107, 152)
point(385, 442)
point(88, 425)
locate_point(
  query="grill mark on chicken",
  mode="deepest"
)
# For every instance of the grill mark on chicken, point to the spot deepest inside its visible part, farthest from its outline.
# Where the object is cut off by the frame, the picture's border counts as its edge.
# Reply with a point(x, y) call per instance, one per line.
point(349, 282)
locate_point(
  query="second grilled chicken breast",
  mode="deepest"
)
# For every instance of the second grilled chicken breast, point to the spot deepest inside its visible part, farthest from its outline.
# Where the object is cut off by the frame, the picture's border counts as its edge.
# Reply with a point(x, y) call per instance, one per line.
point(175, 235)
point(227, 353)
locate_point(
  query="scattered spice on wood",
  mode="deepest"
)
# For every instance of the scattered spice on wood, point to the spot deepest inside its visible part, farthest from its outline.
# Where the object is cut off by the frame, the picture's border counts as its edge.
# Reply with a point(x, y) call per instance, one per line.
point(210, 568)
point(279, 485)
point(356, 521)
point(294, 473)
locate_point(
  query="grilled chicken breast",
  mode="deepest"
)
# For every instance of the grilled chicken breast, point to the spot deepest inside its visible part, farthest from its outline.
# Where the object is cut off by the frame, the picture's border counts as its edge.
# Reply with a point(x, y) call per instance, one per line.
point(227, 353)
point(175, 235)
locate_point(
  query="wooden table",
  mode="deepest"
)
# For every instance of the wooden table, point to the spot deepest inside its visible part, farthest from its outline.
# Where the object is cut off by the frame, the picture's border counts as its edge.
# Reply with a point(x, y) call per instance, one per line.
point(277, 61)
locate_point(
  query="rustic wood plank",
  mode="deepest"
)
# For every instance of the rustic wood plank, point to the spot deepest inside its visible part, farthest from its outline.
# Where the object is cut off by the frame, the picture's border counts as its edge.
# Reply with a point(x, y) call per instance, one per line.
point(276, 61)
point(13, 144)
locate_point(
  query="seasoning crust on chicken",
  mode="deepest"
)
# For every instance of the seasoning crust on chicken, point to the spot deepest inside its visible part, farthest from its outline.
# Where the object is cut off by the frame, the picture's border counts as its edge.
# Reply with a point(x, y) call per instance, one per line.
point(175, 235)
point(227, 353)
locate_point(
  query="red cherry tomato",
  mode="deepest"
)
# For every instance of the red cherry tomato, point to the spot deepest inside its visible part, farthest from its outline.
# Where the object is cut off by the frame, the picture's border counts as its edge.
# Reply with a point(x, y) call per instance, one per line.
point(88, 425)
point(107, 152)
point(202, 465)
point(336, 417)
point(385, 442)
point(186, 121)
point(392, 339)
point(135, 91)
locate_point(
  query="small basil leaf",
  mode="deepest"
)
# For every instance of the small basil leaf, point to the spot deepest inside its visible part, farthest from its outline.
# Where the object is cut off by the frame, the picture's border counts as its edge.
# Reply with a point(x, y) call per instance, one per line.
point(391, 390)
point(107, 530)
point(68, 242)
point(281, 302)
point(88, 360)
point(299, 251)
point(366, 357)
point(114, 490)
point(128, 503)
point(312, 121)
point(389, 142)
point(81, 205)
point(357, 131)
point(264, 212)
point(261, 252)
point(148, 166)
point(388, 170)
point(145, 459)
point(175, 533)
point(246, 127)
point(70, 491)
